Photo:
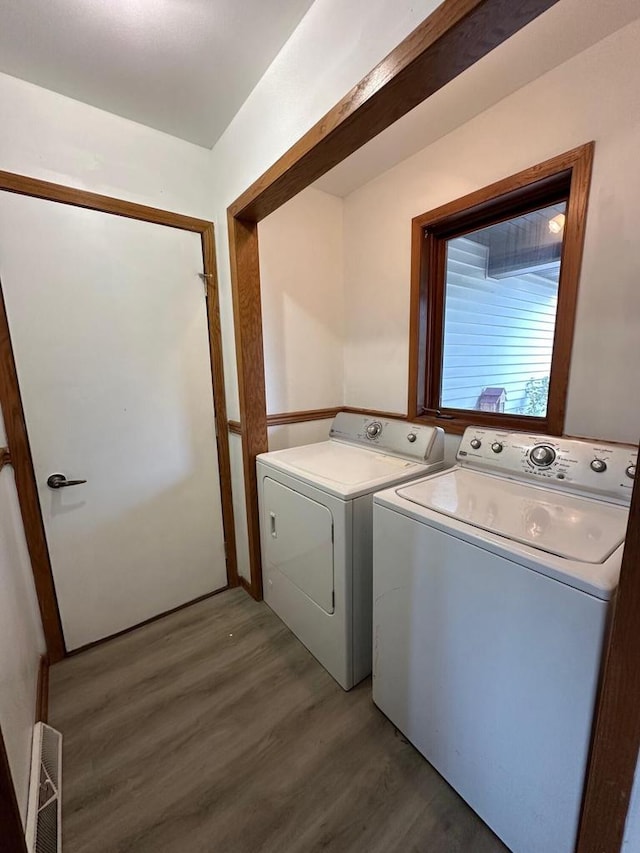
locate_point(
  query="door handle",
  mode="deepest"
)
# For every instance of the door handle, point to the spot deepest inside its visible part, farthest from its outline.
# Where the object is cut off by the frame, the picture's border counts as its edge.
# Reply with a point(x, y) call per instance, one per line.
point(274, 532)
point(59, 481)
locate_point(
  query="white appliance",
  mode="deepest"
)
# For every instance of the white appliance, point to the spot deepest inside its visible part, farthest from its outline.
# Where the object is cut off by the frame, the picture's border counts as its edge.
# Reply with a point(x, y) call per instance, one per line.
point(492, 587)
point(316, 520)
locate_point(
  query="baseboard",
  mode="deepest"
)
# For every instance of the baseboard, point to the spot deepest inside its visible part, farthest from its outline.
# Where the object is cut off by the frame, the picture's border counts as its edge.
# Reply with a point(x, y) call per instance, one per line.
point(42, 691)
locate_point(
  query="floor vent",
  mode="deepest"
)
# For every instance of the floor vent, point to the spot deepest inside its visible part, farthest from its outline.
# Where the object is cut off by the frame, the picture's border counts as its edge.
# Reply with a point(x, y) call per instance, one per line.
point(44, 824)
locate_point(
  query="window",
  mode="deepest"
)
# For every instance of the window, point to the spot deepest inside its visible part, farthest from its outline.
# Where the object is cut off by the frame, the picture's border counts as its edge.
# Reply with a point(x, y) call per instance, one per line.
point(494, 287)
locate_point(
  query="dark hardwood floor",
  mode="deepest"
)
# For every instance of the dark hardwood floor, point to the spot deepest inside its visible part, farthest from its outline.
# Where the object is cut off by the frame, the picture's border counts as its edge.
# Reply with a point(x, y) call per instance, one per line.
point(214, 729)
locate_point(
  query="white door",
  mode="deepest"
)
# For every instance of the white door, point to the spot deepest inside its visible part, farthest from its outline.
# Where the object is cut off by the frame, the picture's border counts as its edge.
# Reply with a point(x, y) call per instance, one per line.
point(109, 329)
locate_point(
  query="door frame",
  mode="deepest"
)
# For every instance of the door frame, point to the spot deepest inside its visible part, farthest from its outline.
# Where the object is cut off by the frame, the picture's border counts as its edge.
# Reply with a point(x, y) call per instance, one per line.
point(455, 36)
point(11, 402)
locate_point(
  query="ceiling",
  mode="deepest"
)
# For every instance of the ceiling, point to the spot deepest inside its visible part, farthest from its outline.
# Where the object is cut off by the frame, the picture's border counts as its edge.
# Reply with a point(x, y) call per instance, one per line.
point(181, 66)
point(565, 30)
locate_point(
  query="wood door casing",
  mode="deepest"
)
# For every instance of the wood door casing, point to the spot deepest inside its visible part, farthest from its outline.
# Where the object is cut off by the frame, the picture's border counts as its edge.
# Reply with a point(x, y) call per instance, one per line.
point(11, 404)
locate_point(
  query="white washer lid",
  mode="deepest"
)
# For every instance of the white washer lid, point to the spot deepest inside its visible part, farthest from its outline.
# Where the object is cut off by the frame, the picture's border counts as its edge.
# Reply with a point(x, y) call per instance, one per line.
point(576, 528)
point(343, 469)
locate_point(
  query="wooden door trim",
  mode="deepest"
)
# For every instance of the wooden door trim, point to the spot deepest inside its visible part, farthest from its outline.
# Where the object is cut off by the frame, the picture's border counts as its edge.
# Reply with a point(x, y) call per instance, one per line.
point(219, 398)
point(20, 450)
point(34, 187)
point(455, 36)
point(11, 404)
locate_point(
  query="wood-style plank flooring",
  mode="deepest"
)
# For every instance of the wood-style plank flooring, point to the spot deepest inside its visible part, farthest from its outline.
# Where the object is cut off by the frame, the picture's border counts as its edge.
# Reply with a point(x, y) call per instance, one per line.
point(214, 729)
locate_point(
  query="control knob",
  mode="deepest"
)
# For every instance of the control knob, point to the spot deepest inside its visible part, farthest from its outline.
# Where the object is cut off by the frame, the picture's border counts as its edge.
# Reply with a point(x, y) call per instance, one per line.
point(631, 471)
point(542, 456)
point(374, 429)
point(598, 465)
point(497, 447)
point(475, 443)
point(411, 437)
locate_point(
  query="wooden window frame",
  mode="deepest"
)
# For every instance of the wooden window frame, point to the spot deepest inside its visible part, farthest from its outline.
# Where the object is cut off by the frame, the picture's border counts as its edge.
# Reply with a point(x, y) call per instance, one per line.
point(566, 177)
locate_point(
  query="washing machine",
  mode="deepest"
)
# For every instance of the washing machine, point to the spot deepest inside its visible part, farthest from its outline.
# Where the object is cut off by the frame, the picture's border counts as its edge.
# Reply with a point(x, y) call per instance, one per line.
point(493, 584)
point(316, 530)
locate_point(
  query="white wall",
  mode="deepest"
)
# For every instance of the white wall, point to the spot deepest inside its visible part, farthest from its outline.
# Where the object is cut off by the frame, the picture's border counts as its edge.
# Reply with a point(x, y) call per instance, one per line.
point(21, 639)
point(54, 138)
point(551, 115)
point(301, 273)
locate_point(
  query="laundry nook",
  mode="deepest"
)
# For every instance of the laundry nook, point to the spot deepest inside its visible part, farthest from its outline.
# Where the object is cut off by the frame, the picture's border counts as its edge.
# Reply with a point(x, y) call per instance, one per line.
point(319, 424)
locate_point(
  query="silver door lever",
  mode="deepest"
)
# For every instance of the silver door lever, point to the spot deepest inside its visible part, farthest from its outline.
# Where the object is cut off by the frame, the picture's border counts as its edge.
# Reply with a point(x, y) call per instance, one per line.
point(59, 481)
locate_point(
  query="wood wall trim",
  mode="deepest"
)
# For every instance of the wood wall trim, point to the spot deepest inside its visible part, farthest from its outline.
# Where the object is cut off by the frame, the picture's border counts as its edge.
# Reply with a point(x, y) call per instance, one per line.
point(11, 832)
point(455, 36)
point(42, 691)
point(376, 413)
point(303, 416)
point(10, 400)
point(307, 415)
point(616, 739)
point(5, 457)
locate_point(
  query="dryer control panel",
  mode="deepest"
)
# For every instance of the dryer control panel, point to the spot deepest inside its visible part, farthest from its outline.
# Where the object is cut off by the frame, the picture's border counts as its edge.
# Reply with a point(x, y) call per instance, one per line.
point(605, 471)
point(396, 437)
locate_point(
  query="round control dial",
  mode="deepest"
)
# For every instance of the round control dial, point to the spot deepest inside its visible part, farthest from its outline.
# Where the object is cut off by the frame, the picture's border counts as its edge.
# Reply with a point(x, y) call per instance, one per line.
point(475, 443)
point(374, 429)
point(542, 456)
point(496, 447)
point(631, 471)
point(598, 465)
point(411, 437)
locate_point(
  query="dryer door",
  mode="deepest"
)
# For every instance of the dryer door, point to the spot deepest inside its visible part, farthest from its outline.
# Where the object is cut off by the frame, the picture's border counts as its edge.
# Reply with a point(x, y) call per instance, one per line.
point(298, 540)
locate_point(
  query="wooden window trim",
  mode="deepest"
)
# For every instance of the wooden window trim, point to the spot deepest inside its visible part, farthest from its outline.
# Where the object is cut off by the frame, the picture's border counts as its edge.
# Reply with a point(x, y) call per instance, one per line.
point(567, 175)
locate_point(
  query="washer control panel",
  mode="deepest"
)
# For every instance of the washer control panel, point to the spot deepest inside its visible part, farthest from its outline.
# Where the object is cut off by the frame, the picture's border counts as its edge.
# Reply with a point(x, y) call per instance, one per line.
point(593, 468)
point(390, 435)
